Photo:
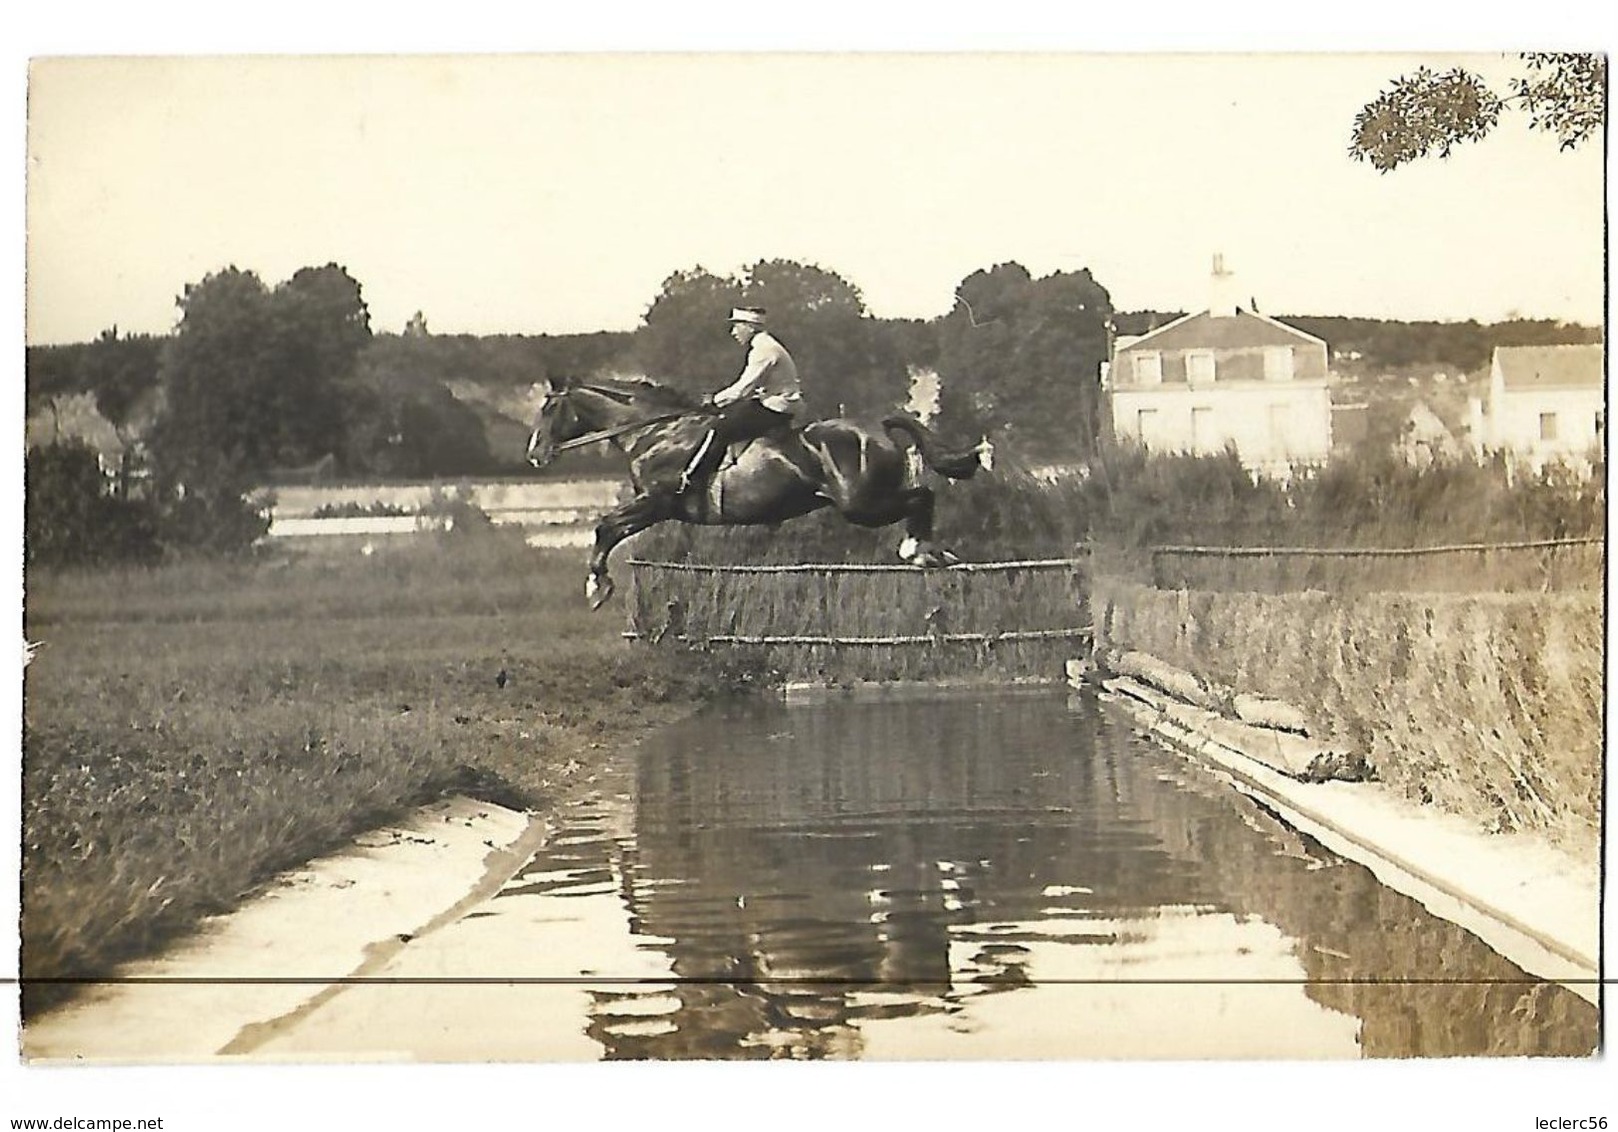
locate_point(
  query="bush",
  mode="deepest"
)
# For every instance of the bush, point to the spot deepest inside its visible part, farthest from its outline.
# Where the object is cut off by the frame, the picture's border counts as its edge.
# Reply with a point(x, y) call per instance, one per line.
point(70, 518)
point(355, 510)
point(218, 522)
point(74, 517)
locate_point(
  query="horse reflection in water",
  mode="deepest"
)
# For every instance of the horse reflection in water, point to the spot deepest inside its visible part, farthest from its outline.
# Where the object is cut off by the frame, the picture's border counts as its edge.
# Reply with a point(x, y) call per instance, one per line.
point(827, 873)
point(814, 873)
point(863, 473)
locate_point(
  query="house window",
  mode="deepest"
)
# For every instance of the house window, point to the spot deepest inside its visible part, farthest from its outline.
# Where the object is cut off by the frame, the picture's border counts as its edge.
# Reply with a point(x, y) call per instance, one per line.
point(1203, 440)
point(1146, 425)
point(1278, 363)
point(1149, 368)
point(1199, 367)
point(1547, 426)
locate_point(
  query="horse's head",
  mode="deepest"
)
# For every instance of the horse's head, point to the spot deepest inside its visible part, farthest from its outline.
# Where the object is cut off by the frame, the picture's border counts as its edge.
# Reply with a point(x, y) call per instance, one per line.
point(555, 421)
point(571, 409)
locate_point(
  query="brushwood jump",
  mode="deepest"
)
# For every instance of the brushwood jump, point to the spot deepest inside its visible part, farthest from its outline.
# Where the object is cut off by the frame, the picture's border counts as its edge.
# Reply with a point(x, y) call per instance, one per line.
point(833, 622)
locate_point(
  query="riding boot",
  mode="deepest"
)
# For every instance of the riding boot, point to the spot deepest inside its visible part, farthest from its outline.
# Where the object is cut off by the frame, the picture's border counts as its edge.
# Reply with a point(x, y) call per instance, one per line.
point(702, 463)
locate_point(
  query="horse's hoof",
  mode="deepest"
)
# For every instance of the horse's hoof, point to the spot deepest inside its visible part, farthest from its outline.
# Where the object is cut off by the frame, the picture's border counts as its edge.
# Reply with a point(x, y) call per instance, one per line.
point(598, 590)
point(925, 554)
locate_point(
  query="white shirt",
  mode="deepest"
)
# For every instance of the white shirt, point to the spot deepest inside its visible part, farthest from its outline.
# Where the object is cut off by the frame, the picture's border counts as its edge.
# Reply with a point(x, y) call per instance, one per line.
point(769, 375)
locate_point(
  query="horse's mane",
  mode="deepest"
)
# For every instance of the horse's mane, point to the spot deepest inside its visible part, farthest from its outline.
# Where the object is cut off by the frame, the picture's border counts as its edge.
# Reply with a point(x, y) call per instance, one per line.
point(643, 388)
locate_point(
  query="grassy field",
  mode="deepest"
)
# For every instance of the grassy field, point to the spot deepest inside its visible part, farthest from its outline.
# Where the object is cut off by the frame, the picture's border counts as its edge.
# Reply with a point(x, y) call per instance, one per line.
point(191, 730)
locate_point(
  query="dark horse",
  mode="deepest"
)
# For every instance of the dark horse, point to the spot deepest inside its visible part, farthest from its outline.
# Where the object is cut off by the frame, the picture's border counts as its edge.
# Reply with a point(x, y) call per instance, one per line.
point(865, 474)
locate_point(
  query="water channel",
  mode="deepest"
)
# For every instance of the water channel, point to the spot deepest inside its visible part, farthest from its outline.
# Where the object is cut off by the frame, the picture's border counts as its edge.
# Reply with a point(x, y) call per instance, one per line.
point(1001, 875)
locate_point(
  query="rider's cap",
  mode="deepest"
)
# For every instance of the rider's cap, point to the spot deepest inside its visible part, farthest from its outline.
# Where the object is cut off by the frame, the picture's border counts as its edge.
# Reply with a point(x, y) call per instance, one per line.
point(752, 315)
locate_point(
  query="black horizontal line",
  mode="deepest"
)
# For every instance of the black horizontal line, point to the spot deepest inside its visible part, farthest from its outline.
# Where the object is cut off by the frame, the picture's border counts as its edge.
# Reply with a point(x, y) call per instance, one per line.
point(636, 980)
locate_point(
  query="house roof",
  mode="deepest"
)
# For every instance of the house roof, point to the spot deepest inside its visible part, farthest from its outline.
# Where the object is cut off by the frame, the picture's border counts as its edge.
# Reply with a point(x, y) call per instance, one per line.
point(1202, 331)
point(73, 416)
point(1550, 367)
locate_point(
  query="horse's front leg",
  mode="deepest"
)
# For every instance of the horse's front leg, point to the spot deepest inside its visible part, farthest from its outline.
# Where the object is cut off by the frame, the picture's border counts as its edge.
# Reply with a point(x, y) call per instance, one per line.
point(633, 517)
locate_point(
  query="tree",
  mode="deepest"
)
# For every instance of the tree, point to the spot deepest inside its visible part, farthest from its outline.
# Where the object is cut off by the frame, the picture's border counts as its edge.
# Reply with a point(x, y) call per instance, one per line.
point(253, 379)
point(62, 503)
point(320, 325)
point(848, 365)
point(260, 377)
point(1022, 356)
point(120, 371)
point(847, 362)
point(404, 420)
point(1431, 112)
point(681, 337)
point(217, 396)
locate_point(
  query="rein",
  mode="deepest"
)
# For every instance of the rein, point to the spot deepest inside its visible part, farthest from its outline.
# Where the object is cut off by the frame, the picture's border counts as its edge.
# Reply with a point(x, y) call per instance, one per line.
point(618, 430)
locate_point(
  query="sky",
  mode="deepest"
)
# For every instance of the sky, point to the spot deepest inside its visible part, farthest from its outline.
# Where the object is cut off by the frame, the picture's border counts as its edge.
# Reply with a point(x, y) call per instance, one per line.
point(554, 192)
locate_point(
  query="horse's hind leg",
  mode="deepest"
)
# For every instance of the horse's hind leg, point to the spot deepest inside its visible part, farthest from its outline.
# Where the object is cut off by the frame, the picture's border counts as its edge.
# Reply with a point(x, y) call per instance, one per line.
point(915, 506)
point(918, 547)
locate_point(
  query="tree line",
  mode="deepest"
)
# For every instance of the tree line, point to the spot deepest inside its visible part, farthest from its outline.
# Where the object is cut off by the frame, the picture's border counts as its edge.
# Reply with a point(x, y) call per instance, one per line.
point(260, 383)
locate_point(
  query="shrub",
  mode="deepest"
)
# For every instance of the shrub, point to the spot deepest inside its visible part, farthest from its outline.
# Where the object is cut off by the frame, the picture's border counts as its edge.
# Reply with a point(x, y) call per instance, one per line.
point(355, 510)
point(72, 519)
point(455, 507)
point(220, 521)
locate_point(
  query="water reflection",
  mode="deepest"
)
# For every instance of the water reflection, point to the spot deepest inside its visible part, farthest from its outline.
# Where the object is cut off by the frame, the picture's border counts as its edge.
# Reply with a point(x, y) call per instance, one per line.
point(1014, 875)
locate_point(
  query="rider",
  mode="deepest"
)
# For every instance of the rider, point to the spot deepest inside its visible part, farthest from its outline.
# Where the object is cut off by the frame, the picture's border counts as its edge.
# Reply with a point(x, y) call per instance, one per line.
point(760, 401)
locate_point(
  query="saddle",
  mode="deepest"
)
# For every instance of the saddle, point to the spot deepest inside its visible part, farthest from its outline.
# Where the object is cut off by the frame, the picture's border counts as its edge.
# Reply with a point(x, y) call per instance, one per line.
point(735, 449)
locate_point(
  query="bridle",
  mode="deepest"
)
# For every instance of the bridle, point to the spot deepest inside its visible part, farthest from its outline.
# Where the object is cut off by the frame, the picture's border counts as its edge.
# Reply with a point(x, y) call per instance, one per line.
point(620, 429)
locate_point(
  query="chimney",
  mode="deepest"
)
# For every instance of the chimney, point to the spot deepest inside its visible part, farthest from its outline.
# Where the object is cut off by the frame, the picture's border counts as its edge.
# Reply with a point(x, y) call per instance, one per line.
point(1221, 289)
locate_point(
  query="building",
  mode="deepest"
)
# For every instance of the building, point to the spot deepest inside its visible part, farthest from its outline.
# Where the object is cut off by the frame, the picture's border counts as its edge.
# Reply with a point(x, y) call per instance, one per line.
point(75, 417)
point(1424, 439)
point(1544, 403)
point(120, 452)
point(1224, 376)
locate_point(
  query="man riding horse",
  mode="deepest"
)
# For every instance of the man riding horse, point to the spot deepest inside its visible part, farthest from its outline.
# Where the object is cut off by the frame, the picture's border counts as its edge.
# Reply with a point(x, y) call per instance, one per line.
point(864, 473)
point(759, 402)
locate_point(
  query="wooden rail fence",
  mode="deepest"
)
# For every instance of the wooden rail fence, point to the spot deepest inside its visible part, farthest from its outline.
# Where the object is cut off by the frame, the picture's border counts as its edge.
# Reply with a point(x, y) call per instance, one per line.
point(1539, 564)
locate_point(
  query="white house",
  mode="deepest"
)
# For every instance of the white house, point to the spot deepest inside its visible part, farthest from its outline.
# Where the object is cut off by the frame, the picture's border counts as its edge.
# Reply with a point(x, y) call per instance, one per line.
point(1224, 376)
point(1544, 403)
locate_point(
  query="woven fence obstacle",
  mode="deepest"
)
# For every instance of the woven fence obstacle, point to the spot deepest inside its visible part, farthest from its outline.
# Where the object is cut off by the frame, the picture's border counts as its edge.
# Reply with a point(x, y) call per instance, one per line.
point(994, 621)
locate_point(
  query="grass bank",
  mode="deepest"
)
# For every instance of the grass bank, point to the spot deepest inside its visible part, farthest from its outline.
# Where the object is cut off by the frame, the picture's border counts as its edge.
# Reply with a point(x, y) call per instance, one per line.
point(191, 730)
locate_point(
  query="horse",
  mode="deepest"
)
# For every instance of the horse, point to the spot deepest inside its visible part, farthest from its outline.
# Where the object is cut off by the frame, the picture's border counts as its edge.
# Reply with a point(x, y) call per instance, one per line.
point(864, 473)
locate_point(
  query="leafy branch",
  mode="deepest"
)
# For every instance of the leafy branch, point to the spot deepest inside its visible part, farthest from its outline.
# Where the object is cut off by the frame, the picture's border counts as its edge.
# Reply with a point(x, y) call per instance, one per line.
point(1429, 113)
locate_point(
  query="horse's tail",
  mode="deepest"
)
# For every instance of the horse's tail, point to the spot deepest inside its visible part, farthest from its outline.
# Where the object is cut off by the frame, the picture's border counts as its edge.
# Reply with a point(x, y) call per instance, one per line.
point(959, 465)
